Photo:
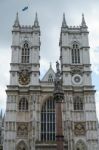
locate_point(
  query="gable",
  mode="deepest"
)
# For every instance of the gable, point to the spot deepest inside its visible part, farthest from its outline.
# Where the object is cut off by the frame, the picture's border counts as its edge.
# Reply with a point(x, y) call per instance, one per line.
point(49, 75)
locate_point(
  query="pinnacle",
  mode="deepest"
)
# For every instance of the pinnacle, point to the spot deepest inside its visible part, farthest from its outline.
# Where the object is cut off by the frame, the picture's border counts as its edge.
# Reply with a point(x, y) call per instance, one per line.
point(83, 24)
point(50, 65)
point(36, 23)
point(64, 24)
point(1, 114)
point(16, 23)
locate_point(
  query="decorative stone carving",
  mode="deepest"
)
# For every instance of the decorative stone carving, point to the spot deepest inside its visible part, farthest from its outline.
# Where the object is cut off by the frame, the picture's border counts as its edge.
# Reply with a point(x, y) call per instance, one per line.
point(76, 70)
point(79, 128)
point(22, 129)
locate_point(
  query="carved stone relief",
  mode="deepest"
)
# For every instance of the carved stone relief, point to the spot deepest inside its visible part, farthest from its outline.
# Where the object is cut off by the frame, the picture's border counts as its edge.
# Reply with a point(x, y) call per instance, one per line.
point(79, 128)
point(22, 129)
point(76, 70)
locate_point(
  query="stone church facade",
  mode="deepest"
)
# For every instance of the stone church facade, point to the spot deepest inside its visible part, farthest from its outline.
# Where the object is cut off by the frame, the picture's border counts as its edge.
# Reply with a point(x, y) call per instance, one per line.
point(30, 110)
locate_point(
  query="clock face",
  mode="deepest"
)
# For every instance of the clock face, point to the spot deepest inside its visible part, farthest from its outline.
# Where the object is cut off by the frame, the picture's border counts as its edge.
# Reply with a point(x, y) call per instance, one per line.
point(24, 77)
point(77, 79)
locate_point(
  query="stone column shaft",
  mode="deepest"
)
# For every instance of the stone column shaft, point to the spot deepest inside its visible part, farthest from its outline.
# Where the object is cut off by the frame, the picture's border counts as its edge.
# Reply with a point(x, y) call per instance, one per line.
point(59, 130)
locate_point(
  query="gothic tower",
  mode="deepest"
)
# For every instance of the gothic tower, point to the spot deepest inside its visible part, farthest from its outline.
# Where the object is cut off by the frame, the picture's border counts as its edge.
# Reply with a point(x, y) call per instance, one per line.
point(80, 121)
point(20, 120)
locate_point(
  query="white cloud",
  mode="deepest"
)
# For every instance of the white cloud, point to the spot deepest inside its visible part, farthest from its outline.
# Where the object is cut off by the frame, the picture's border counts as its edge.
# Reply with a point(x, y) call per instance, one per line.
point(97, 96)
point(97, 104)
point(4, 76)
point(94, 55)
point(4, 66)
point(2, 98)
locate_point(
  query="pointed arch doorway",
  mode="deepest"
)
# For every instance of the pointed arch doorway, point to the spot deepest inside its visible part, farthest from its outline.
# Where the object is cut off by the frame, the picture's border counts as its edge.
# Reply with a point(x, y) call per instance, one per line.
point(81, 145)
point(21, 146)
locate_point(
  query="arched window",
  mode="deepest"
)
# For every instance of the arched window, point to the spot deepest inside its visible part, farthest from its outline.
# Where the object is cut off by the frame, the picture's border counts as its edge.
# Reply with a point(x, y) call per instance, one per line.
point(75, 54)
point(23, 104)
point(78, 103)
point(25, 53)
point(50, 78)
point(48, 121)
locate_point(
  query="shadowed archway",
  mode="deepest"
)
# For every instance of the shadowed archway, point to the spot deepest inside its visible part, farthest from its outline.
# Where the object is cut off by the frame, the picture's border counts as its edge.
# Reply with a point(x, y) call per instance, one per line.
point(80, 145)
point(21, 146)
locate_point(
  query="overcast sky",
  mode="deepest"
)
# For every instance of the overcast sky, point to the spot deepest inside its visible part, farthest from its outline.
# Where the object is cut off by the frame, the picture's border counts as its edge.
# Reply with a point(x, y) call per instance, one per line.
point(50, 14)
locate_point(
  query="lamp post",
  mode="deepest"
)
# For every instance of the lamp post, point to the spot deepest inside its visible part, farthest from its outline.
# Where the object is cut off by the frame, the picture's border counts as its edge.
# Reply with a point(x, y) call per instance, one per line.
point(58, 97)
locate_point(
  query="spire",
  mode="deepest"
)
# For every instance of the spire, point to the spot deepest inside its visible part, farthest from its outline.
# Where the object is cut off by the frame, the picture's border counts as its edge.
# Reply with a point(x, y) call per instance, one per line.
point(36, 23)
point(64, 24)
point(83, 24)
point(50, 65)
point(1, 114)
point(16, 23)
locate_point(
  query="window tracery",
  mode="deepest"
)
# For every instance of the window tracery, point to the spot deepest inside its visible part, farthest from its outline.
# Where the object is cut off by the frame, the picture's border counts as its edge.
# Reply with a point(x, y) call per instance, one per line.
point(50, 78)
point(23, 104)
point(48, 121)
point(75, 54)
point(78, 103)
point(25, 53)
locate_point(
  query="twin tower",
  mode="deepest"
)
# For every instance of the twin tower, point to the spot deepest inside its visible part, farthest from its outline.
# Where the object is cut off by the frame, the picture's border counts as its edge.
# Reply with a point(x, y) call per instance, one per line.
point(30, 120)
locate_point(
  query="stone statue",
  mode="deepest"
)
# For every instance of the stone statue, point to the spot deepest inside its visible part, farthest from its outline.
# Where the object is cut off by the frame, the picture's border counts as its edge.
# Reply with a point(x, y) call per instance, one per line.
point(58, 90)
point(57, 66)
point(58, 79)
